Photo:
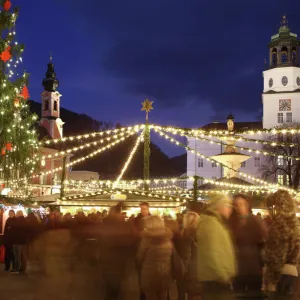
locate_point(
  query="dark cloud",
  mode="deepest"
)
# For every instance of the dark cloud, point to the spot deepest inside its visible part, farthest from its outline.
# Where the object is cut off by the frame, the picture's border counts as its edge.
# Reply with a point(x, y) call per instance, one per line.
point(200, 49)
point(111, 54)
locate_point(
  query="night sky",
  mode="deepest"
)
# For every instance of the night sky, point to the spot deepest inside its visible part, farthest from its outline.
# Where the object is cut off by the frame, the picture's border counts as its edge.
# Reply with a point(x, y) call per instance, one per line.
point(197, 59)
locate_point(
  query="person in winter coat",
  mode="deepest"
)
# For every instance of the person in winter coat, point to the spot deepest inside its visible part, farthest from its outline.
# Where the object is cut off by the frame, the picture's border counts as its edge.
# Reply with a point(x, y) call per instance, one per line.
point(20, 240)
point(8, 241)
point(185, 243)
point(117, 243)
point(248, 234)
point(215, 264)
point(154, 257)
point(282, 248)
point(139, 221)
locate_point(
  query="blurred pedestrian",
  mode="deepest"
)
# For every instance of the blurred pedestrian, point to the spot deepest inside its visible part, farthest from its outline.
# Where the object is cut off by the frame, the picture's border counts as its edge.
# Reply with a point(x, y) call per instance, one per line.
point(248, 235)
point(20, 240)
point(282, 248)
point(117, 243)
point(144, 213)
point(154, 257)
point(185, 242)
point(8, 241)
point(215, 264)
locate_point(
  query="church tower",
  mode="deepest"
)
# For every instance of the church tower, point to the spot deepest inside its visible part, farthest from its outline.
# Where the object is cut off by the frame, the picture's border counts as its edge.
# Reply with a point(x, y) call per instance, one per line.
point(51, 120)
point(281, 95)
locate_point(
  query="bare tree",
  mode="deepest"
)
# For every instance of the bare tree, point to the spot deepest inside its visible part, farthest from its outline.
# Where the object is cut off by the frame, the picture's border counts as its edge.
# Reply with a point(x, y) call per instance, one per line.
point(287, 145)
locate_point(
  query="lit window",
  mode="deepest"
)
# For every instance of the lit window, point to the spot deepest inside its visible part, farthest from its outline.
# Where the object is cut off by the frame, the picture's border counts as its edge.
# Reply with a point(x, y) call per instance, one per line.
point(200, 162)
point(280, 161)
point(243, 164)
point(214, 164)
point(287, 180)
point(257, 161)
point(289, 117)
point(280, 179)
point(280, 118)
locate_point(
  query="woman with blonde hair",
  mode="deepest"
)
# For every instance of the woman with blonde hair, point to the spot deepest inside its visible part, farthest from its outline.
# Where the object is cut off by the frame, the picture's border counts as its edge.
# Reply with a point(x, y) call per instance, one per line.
point(282, 248)
point(154, 258)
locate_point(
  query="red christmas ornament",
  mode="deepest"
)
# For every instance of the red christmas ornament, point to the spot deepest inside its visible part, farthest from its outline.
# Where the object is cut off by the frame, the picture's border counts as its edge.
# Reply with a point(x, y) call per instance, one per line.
point(25, 92)
point(7, 5)
point(3, 185)
point(8, 146)
point(6, 55)
point(3, 151)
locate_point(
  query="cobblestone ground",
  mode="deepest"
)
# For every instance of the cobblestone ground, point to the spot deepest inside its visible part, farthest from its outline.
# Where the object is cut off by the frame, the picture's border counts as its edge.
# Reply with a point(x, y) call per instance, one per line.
point(16, 287)
point(82, 285)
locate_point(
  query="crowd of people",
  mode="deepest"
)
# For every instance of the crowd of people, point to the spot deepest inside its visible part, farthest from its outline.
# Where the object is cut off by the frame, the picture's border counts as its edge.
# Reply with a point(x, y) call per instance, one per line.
point(218, 252)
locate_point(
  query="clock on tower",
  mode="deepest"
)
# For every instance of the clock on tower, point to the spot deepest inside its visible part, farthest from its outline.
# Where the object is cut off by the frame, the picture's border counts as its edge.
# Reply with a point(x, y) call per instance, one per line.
point(282, 78)
point(285, 105)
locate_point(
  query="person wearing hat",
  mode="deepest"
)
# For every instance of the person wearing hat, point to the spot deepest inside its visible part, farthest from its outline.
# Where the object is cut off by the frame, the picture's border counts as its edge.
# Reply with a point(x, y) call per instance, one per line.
point(215, 264)
point(282, 248)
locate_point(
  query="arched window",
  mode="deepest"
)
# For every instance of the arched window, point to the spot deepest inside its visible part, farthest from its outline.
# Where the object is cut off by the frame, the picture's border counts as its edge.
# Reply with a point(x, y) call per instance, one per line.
point(46, 105)
point(284, 55)
point(55, 105)
point(274, 57)
point(294, 56)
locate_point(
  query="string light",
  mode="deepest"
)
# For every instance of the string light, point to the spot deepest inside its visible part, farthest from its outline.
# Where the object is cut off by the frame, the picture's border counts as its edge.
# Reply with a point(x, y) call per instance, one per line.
point(79, 160)
point(247, 176)
point(170, 182)
point(250, 150)
point(226, 132)
point(78, 148)
point(228, 135)
point(133, 151)
point(136, 128)
point(139, 193)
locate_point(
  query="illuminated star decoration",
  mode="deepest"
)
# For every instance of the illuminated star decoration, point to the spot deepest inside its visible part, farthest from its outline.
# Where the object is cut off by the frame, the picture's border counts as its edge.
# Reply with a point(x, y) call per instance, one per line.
point(147, 105)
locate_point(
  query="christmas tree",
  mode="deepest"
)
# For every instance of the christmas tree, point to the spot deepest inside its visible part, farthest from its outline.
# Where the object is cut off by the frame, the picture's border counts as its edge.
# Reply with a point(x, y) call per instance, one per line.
point(18, 139)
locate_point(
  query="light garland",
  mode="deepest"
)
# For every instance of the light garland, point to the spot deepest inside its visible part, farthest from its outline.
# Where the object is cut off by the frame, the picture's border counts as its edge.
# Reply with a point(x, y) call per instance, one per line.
point(226, 132)
point(93, 134)
point(239, 138)
point(236, 186)
point(140, 193)
point(230, 135)
point(245, 175)
point(134, 181)
point(79, 160)
point(99, 184)
point(133, 151)
point(250, 150)
point(78, 148)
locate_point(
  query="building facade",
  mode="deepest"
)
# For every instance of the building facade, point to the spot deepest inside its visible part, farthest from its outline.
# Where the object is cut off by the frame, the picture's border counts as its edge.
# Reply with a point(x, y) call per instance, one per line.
point(51, 127)
point(281, 105)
